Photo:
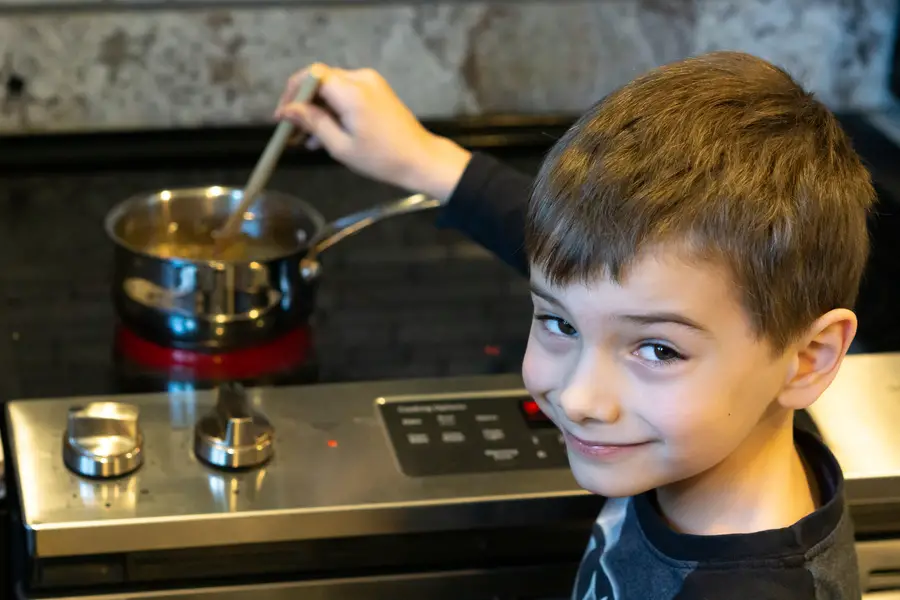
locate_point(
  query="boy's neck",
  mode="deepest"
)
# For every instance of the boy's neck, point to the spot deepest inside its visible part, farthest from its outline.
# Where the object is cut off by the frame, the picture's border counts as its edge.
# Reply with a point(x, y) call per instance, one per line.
point(762, 485)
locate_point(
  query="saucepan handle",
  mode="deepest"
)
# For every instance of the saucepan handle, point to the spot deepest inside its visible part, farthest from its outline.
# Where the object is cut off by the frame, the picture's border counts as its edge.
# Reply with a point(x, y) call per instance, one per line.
point(349, 225)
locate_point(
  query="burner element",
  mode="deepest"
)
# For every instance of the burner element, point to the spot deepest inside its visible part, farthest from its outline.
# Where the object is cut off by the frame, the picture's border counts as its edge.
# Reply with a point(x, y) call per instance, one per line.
point(233, 435)
point(103, 440)
point(285, 354)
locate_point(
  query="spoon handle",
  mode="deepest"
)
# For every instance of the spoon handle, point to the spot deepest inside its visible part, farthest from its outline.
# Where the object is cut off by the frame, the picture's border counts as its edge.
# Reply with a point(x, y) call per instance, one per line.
point(267, 161)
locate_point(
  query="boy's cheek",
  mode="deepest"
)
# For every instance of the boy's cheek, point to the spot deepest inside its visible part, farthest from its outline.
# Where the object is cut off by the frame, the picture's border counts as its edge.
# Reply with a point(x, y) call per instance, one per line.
point(528, 376)
point(537, 369)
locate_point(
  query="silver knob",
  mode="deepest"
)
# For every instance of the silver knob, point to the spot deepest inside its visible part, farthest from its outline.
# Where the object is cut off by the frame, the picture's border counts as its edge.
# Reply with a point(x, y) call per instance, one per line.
point(103, 439)
point(233, 435)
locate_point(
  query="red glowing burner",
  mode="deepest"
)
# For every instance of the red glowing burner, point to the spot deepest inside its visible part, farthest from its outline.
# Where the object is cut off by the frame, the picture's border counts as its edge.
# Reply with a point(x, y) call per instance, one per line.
point(282, 354)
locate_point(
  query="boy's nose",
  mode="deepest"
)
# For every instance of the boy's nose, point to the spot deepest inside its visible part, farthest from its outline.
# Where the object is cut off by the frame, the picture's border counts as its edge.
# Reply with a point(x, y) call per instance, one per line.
point(589, 395)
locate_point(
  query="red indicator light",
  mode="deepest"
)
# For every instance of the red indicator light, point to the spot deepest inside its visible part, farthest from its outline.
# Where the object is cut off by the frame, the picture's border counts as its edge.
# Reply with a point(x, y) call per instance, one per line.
point(531, 408)
point(533, 414)
point(332, 443)
point(492, 351)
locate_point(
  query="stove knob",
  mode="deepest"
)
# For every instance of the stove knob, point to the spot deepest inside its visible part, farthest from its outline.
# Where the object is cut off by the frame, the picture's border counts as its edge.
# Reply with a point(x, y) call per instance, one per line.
point(233, 435)
point(103, 440)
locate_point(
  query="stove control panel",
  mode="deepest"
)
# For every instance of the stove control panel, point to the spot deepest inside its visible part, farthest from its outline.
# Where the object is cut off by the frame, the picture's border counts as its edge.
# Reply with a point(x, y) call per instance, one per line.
point(470, 434)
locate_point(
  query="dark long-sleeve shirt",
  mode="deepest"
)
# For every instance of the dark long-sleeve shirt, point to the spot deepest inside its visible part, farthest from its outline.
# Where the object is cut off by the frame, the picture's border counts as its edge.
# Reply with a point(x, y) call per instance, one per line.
point(488, 205)
point(632, 553)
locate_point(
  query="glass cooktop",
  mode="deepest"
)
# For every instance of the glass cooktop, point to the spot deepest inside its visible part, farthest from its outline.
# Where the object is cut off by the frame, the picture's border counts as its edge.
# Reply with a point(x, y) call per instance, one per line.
point(401, 299)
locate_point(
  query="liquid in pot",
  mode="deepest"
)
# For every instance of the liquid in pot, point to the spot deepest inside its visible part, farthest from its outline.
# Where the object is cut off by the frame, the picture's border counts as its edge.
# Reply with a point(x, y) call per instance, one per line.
point(195, 241)
point(241, 249)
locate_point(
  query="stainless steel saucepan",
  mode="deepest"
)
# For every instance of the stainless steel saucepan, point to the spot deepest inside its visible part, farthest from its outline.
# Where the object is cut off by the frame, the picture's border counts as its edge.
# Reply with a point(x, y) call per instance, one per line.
point(170, 286)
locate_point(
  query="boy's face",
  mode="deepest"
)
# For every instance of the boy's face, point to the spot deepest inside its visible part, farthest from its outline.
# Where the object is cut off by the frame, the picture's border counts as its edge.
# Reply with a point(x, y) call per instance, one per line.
point(660, 378)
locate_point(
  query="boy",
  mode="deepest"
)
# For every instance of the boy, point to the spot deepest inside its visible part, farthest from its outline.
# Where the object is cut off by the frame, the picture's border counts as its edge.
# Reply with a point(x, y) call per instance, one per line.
point(695, 243)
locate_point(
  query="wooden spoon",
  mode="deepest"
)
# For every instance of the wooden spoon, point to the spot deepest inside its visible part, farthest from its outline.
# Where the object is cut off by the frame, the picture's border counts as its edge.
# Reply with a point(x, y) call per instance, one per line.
point(264, 167)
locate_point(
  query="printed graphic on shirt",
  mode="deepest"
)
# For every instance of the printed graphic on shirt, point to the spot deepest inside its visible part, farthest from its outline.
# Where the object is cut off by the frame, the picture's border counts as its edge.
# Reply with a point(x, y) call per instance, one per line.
point(591, 568)
point(618, 564)
point(595, 581)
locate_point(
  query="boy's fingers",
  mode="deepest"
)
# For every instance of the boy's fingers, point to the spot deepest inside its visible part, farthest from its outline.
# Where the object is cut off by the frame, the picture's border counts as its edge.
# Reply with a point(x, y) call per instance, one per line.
point(320, 70)
point(320, 124)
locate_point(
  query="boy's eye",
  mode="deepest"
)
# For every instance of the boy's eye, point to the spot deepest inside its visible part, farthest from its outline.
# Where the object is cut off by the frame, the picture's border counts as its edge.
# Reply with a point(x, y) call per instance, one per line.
point(658, 353)
point(557, 326)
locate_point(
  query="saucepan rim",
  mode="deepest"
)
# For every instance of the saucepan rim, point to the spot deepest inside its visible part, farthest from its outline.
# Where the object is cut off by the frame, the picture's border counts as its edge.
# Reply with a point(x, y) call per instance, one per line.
point(123, 208)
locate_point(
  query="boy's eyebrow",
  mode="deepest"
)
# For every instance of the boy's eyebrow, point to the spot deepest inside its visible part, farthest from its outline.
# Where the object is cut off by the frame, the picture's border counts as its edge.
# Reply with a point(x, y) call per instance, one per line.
point(663, 317)
point(653, 318)
point(543, 294)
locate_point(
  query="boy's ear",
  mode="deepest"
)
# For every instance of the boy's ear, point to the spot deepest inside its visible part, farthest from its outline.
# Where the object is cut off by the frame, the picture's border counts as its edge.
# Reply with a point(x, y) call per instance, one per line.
point(817, 358)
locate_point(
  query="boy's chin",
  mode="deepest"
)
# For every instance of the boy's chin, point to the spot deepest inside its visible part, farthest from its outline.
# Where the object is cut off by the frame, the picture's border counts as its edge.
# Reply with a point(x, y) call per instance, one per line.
point(609, 484)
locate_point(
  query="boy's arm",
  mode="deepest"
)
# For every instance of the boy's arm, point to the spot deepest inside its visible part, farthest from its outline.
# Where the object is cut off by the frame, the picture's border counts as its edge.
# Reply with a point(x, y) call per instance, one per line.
point(488, 205)
point(369, 129)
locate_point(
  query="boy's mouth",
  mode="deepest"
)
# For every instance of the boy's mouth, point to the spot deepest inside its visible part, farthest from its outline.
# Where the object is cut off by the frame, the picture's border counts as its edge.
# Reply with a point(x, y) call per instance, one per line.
point(600, 450)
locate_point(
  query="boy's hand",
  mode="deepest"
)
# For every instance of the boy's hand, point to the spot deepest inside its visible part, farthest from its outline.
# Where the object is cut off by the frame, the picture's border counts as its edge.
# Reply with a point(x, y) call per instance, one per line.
point(374, 133)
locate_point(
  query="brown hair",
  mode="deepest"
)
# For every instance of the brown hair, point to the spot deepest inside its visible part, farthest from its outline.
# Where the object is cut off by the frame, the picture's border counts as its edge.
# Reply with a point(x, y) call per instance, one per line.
point(727, 156)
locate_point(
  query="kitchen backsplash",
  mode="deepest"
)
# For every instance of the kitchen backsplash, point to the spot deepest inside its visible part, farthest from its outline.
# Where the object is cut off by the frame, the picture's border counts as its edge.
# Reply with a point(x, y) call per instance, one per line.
point(205, 63)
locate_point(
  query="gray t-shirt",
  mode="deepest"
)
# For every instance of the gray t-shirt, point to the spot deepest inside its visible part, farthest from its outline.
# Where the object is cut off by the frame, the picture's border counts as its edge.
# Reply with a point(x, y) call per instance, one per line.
point(633, 555)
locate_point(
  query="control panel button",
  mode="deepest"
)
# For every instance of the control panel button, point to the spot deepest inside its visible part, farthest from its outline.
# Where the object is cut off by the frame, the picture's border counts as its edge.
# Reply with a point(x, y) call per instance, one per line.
point(486, 418)
point(502, 454)
point(411, 421)
point(493, 435)
point(417, 438)
point(541, 454)
point(446, 420)
point(453, 437)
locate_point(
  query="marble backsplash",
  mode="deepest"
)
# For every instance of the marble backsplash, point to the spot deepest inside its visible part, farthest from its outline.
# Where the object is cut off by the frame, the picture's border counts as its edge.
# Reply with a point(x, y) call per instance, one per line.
point(175, 66)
